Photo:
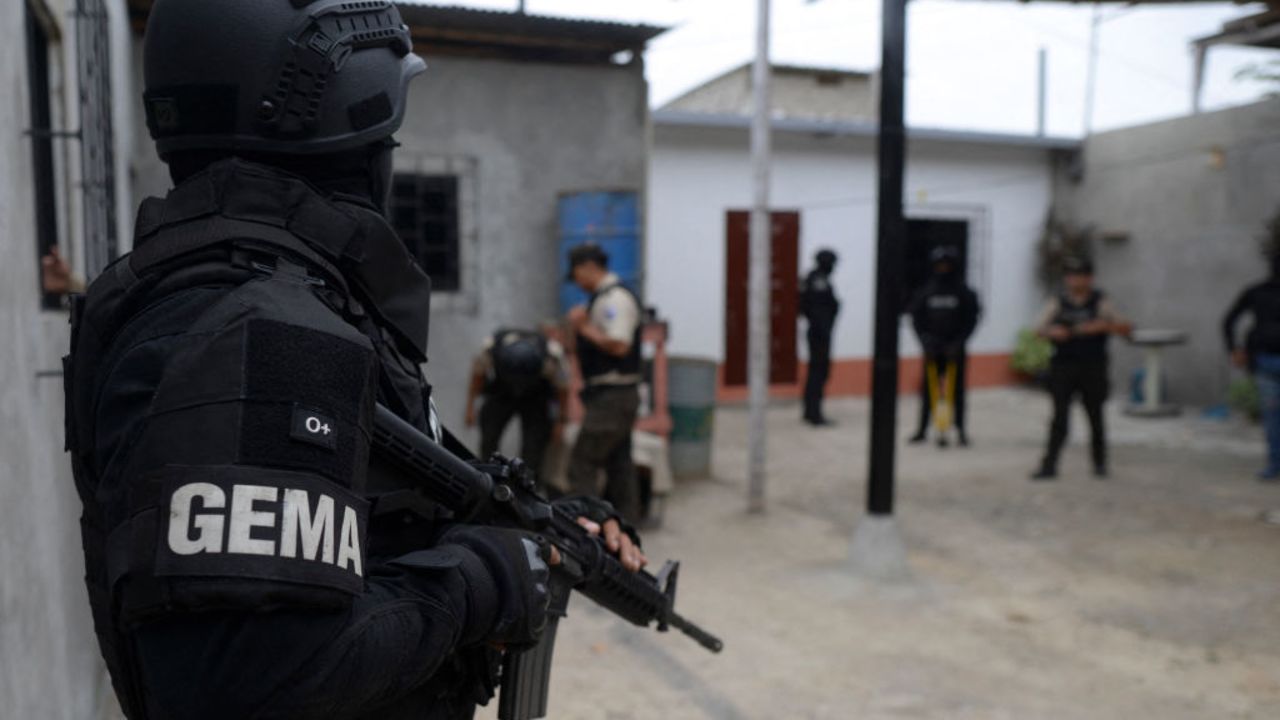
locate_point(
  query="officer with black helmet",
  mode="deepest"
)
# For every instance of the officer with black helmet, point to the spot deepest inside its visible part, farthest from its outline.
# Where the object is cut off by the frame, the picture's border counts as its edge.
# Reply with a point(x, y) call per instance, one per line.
point(944, 313)
point(519, 373)
point(1078, 322)
point(819, 307)
point(245, 555)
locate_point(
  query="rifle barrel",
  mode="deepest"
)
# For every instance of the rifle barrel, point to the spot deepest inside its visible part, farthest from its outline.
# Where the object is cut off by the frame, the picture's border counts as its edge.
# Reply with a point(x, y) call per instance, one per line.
point(702, 637)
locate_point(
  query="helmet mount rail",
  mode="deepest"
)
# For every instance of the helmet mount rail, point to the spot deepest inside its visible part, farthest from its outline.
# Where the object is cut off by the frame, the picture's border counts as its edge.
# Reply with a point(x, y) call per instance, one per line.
point(302, 77)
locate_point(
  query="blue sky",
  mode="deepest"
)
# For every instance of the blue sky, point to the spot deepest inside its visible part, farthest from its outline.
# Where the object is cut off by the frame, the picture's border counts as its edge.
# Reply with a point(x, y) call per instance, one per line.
point(971, 63)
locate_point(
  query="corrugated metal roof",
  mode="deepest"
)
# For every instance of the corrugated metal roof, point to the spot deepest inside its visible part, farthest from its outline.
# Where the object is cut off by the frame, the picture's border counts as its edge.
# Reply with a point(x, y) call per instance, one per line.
point(674, 118)
point(476, 30)
point(427, 17)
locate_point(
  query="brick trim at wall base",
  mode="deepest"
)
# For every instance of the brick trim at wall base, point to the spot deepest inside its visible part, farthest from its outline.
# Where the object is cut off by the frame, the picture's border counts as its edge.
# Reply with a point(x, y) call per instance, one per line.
point(852, 378)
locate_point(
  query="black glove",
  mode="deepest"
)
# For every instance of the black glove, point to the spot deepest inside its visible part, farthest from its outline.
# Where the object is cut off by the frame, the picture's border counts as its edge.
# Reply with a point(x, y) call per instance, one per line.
point(597, 511)
point(519, 565)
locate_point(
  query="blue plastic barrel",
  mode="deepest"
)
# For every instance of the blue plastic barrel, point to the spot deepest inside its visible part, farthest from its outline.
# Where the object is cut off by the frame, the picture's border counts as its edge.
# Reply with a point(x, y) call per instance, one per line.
point(610, 220)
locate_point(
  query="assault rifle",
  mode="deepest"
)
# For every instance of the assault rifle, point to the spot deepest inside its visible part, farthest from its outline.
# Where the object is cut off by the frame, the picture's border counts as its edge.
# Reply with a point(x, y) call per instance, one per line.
point(503, 493)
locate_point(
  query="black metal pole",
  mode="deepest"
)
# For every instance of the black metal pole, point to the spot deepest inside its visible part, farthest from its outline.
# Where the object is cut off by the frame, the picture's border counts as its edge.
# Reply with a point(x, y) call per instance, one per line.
point(890, 241)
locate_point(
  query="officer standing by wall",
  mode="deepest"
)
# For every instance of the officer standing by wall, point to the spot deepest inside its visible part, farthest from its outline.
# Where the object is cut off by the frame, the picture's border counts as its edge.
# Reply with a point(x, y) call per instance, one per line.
point(819, 307)
point(607, 343)
point(944, 314)
point(245, 555)
point(519, 373)
point(1078, 322)
point(1260, 355)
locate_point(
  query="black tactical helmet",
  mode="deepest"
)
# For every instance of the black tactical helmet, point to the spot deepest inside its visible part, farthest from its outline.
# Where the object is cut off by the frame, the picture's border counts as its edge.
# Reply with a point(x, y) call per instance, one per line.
point(944, 253)
point(1077, 265)
point(518, 359)
point(276, 76)
point(825, 259)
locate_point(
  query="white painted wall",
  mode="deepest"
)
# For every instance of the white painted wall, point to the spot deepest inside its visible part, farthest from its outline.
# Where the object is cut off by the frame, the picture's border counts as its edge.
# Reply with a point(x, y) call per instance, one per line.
point(697, 174)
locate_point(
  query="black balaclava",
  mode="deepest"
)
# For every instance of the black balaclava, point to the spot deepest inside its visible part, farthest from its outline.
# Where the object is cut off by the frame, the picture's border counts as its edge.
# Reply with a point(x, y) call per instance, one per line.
point(363, 175)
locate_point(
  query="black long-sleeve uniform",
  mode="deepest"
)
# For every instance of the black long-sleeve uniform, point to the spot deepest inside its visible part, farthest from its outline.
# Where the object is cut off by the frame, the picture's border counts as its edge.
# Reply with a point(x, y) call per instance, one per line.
point(245, 557)
point(944, 313)
point(819, 307)
point(1262, 301)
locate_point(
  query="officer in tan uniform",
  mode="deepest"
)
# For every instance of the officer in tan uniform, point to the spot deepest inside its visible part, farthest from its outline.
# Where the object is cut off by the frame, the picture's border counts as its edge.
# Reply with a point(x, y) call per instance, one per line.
point(519, 373)
point(607, 339)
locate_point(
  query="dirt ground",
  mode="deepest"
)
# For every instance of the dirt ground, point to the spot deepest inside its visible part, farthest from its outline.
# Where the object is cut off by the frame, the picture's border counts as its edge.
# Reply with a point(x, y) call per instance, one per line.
point(1155, 594)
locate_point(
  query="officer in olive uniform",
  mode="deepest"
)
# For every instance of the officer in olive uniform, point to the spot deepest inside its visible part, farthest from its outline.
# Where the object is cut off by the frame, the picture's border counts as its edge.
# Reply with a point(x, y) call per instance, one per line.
point(607, 343)
point(819, 307)
point(944, 314)
point(245, 555)
point(519, 373)
point(1078, 322)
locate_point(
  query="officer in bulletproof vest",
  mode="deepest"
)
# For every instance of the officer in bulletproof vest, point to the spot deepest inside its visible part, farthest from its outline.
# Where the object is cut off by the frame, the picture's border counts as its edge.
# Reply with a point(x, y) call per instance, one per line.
point(245, 556)
point(519, 373)
point(1260, 354)
point(944, 314)
point(1078, 322)
point(819, 307)
point(607, 342)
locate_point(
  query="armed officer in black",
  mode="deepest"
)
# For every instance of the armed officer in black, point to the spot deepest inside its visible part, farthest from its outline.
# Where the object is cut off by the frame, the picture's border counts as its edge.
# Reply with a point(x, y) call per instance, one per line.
point(1260, 355)
point(819, 307)
point(245, 555)
point(1078, 322)
point(944, 314)
point(519, 373)
point(607, 344)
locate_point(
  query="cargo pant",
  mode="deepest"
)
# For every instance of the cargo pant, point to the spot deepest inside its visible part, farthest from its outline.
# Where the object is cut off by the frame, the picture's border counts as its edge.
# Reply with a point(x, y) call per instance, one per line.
point(604, 443)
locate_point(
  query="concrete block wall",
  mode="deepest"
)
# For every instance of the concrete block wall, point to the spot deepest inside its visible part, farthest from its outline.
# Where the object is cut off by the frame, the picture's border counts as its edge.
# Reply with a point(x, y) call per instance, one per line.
point(1189, 196)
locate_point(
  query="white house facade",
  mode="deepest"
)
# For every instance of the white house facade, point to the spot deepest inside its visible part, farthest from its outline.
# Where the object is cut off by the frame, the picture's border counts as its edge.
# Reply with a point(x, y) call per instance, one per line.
point(999, 187)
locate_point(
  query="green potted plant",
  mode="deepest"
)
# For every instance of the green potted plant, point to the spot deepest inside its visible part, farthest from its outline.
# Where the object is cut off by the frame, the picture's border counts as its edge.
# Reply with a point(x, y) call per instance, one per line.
point(1031, 355)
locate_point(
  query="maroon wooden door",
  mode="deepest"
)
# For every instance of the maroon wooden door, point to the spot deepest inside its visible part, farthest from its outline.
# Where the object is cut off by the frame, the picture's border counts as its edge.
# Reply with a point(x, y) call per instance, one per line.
point(784, 296)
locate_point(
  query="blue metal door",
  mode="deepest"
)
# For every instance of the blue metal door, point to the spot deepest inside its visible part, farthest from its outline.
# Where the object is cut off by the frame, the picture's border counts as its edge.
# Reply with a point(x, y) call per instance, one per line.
point(610, 220)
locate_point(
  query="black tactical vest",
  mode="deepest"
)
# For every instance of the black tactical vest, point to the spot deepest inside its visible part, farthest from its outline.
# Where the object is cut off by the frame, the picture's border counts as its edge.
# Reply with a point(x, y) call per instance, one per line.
point(1079, 348)
point(595, 361)
point(244, 343)
point(1264, 335)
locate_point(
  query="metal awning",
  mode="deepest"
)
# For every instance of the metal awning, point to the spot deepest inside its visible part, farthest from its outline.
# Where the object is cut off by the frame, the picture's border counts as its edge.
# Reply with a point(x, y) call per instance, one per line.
point(1258, 31)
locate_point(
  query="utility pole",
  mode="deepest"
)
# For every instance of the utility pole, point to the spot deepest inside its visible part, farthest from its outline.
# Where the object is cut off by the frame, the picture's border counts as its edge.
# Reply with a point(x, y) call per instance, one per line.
point(890, 241)
point(758, 286)
point(1042, 90)
point(1091, 78)
point(876, 551)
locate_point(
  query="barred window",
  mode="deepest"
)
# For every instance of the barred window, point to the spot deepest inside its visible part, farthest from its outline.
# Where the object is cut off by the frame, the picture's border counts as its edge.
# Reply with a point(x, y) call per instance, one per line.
point(424, 212)
point(43, 182)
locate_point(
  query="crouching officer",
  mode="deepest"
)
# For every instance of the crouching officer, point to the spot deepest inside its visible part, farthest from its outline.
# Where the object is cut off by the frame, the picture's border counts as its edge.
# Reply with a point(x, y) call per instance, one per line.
point(819, 307)
point(519, 373)
point(944, 314)
point(607, 343)
point(245, 556)
point(1078, 322)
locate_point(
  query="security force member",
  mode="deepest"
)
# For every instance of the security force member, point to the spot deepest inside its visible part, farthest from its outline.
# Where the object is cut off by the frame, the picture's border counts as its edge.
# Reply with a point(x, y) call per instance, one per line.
point(519, 373)
point(819, 307)
point(1078, 322)
point(944, 314)
point(607, 343)
point(245, 557)
point(1261, 355)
